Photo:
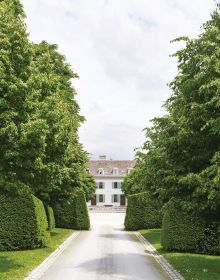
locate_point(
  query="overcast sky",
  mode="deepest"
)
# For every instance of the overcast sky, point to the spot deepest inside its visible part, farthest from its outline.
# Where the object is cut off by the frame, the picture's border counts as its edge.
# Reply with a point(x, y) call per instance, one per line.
point(120, 49)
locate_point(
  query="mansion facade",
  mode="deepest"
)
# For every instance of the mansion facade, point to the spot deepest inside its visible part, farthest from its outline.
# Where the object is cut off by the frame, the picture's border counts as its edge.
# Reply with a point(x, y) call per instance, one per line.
point(109, 176)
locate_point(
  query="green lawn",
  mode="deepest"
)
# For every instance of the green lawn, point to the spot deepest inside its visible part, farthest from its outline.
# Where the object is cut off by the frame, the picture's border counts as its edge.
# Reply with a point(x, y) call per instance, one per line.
point(191, 266)
point(15, 265)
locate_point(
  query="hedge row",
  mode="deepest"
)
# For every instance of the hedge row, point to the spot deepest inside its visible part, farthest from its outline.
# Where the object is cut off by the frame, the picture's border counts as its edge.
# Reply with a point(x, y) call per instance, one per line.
point(50, 217)
point(81, 210)
point(187, 231)
point(23, 222)
point(65, 216)
point(142, 212)
point(73, 214)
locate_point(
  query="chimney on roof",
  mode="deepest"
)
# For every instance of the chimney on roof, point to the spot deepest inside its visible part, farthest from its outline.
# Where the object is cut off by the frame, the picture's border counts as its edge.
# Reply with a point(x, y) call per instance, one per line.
point(102, 157)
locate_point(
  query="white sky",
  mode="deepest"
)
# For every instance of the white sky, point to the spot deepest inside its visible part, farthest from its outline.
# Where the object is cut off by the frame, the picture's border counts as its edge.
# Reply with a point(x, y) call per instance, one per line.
point(120, 49)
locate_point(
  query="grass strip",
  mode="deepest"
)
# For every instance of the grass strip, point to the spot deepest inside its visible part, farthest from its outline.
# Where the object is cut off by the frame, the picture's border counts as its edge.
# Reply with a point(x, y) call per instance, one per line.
point(15, 265)
point(190, 266)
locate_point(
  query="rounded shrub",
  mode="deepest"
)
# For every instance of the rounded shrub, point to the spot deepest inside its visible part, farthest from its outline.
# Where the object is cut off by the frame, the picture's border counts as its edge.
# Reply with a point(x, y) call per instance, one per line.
point(23, 222)
point(187, 231)
point(143, 211)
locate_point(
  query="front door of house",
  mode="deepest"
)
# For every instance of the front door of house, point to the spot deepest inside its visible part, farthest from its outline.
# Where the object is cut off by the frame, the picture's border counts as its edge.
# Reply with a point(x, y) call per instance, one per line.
point(93, 201)
point(122, 200)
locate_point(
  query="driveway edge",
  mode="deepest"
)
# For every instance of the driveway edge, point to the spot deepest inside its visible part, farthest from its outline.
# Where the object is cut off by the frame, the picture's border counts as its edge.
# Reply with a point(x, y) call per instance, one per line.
point(37, 272)
point(173, 274)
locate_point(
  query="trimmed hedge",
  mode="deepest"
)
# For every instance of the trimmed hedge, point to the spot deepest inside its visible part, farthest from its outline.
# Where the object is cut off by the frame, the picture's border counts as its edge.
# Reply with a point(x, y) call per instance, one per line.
point(82, 215)
point(186, 231)
point(73, 214)
point(23, 222)
point(143, 212)
point(50, 217)
point(65, 216)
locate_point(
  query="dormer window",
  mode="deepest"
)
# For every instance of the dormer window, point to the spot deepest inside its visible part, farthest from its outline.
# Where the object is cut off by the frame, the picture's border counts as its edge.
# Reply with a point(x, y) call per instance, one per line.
point(100, 171)
point(115, 171)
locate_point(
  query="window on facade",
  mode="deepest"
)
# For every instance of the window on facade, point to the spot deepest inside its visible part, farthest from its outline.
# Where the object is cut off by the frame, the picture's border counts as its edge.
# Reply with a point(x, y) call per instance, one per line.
point(101, 198)
point(129, 170)
point(116, 185)
point(101, 171)
point(100, 185)
point(115, 198)
point(115, 171)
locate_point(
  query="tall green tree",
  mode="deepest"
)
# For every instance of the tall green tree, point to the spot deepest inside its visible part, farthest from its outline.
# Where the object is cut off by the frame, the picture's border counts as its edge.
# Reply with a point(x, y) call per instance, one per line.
point(194, 108)
point(180, 157)
point(52, 100)
point(17, 133)
point(39, 116)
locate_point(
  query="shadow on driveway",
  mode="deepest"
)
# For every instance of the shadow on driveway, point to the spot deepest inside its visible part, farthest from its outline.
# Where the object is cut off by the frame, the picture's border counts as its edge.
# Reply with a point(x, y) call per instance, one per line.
point(129, 266)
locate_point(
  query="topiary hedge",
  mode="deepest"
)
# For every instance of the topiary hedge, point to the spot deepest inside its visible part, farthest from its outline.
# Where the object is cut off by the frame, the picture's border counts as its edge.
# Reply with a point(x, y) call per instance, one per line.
point(73, 214)
point(50, 217)
point(186, 231)
point(65, 216)
point(23, 222)
point(81, 210)
point(143, 211)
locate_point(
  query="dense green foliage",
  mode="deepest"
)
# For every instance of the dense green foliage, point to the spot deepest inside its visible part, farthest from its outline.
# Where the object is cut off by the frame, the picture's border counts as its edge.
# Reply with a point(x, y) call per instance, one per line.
point(17, 131)
point(186, 231)
point(50, 217)
point(52, 99)
point(23, 222)
point(39, 116)
point(40, 151)
point(142, 212)
point(73, 214)
point(181, 154)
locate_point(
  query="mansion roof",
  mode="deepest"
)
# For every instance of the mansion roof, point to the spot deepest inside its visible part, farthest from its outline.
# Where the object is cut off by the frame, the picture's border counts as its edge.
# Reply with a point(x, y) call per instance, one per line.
point(110, 167)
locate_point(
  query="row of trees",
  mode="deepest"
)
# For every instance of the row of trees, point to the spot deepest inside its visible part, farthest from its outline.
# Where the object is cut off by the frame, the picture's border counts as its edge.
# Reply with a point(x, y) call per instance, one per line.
point(181, 155)
point(39, 116)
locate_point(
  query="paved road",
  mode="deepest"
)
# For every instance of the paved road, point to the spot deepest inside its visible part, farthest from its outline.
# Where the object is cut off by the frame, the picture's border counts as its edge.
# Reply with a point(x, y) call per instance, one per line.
point(105, 253)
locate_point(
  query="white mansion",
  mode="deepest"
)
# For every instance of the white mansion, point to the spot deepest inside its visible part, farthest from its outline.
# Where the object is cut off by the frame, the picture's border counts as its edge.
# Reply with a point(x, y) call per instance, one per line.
point(109, 175)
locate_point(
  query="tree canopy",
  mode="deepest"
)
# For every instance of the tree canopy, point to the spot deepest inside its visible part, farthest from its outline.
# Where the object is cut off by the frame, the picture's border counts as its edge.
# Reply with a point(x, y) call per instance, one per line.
point(39, 116)
point(181, 155)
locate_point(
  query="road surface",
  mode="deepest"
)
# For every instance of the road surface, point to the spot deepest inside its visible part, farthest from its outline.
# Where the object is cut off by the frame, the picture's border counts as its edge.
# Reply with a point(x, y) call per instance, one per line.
point(105, 253)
